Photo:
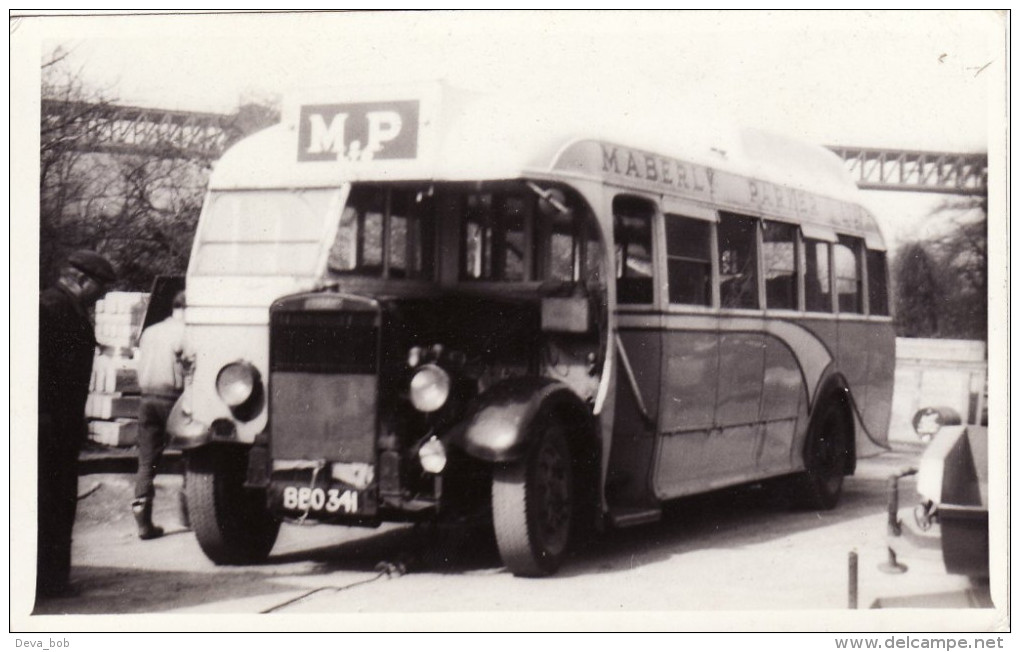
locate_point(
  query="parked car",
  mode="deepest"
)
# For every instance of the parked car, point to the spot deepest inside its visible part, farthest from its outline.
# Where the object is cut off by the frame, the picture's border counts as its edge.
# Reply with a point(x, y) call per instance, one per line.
point(952, 483)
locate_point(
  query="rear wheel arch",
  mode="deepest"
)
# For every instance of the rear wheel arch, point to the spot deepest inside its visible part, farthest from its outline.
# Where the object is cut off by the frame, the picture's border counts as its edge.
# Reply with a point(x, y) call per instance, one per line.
point(828, 451)
point(836, 391)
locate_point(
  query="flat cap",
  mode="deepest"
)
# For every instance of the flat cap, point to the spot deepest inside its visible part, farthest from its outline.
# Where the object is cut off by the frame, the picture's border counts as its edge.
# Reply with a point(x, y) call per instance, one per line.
point(92, 264)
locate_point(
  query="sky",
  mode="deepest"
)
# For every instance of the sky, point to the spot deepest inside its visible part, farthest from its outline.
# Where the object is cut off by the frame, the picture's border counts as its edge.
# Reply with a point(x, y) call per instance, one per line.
point(915, 80)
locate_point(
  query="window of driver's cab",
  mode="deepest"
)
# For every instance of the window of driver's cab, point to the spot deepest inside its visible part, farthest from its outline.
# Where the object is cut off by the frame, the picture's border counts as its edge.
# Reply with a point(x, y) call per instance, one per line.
point(528, 232)
point(632, 235)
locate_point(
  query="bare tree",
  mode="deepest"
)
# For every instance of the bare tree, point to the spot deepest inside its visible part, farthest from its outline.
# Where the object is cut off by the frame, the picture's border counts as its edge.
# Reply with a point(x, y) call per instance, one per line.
point(139, 210)
point(65, 176)
point(917, 292)
point(962, 255)
point(942, 282)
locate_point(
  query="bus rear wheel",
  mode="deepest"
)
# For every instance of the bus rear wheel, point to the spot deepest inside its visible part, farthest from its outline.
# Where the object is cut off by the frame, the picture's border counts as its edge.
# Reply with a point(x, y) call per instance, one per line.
point(232, 524)
point(825, 455)
point(533, 505)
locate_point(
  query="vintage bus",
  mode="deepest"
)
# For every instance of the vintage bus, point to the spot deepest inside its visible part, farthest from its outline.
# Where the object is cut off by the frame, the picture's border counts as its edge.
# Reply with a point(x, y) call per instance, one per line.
point(417, 304)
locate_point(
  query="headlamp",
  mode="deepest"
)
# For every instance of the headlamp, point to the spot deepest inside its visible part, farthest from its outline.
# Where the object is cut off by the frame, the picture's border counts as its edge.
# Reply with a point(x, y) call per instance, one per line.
point(432, 456)
point(430, 387)
point(236, 382)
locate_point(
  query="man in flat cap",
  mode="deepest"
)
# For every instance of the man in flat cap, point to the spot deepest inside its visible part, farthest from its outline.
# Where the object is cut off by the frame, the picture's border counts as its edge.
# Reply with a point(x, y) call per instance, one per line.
point(66, 348)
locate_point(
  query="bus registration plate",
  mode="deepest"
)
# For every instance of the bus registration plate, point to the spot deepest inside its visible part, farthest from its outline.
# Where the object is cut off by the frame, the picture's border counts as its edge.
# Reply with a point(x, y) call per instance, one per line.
point(318, 499)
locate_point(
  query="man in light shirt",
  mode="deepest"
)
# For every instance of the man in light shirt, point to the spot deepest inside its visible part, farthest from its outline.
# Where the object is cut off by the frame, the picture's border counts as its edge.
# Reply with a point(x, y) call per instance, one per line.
point(161, 378)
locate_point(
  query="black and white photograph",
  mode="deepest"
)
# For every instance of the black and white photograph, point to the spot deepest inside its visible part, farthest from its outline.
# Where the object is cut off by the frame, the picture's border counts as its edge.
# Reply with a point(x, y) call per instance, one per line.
point(489, 321)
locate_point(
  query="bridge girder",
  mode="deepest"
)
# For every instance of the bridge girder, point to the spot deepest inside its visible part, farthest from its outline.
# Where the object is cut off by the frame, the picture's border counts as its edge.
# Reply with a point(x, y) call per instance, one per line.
point(164, 133)
point(158, 133)
point(916, 171)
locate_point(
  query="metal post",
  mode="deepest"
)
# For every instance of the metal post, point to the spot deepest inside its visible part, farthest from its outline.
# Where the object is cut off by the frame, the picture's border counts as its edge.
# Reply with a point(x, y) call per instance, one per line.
point(893, 527)
point(893, 521)
point(852, 579)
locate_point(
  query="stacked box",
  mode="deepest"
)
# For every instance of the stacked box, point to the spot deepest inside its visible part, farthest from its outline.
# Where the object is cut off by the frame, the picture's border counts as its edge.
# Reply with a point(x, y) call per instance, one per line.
point(114, 372)
point(119, 318)
point(112, 406)
point(120, 432)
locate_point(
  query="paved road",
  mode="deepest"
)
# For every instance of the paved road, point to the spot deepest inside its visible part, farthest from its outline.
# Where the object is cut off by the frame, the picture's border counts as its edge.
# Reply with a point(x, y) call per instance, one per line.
point(735, 549)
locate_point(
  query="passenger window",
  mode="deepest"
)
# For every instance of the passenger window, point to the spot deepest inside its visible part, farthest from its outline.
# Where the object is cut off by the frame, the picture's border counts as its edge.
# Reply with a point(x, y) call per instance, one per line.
point(817, 295)
point(738, 268)
point(633, 234)
point(689, 260)
point(780, 261)
point(878, 291)
point(847, 262)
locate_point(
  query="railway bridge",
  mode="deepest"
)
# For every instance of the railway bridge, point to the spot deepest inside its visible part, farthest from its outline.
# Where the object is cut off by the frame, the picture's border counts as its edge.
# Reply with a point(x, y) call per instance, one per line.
point(167, 133)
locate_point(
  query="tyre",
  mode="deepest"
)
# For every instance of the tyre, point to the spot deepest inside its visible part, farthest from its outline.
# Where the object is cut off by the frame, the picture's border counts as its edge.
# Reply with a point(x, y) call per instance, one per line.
point(533, 505)
point(232, 524)
point(825, 456)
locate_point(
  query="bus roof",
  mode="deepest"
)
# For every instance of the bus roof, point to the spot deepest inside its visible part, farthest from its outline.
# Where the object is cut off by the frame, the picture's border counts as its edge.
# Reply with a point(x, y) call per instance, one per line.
point(433, 132)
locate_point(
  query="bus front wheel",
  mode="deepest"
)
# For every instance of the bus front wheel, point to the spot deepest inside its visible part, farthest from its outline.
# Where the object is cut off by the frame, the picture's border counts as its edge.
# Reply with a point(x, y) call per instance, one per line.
point(825, 457)
point(232, 524)
point(533, 505)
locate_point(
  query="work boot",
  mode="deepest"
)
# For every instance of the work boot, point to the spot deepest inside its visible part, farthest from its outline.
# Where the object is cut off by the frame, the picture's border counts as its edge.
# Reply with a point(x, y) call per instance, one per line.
point(182, 507)
point(142, 509)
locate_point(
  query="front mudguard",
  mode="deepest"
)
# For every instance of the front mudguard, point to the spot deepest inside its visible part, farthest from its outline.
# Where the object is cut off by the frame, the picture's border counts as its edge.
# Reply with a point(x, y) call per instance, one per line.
point(498, 427)
point(185, 432)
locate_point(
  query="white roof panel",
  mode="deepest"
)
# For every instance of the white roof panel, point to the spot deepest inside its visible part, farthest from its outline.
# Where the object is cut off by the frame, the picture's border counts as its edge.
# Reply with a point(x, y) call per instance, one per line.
point(433, 132)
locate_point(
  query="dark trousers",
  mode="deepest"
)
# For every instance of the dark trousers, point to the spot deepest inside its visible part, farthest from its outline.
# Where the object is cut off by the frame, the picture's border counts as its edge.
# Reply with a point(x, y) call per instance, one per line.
point(152, 439)
point(59, 445)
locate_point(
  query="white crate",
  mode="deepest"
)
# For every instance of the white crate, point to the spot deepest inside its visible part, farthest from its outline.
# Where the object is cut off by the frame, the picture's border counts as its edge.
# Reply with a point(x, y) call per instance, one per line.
point(121, 432)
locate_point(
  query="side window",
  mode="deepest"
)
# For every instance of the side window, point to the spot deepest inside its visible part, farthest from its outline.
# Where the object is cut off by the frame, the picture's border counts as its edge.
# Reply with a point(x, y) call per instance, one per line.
point(817, 294)
point(689, 260)
point(738, 267)
point(878, 292)
point(780, 263)
point(847, 263)
point(632, 231)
